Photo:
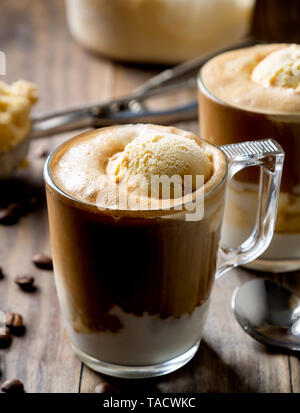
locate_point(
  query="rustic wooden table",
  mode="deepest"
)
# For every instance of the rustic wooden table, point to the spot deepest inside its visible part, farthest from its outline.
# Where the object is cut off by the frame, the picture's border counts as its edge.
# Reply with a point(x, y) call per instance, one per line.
point(38, 47)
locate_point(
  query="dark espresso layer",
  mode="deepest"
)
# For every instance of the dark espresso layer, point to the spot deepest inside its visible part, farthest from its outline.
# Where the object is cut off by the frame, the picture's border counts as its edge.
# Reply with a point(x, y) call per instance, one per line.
point(157, 266)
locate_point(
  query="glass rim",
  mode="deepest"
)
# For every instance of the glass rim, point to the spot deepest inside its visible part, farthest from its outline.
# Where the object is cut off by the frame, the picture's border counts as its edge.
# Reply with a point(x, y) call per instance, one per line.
point(48, 179)
point(212, 96)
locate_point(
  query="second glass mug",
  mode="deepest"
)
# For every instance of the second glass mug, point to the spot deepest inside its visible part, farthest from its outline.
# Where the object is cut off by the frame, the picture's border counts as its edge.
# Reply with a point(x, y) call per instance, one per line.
point(223, 123)
point(138, 310)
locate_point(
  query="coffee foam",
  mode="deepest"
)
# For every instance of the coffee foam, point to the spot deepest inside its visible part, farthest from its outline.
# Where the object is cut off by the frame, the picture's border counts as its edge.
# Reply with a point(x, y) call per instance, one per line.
point(241, 78)
point(81, 166)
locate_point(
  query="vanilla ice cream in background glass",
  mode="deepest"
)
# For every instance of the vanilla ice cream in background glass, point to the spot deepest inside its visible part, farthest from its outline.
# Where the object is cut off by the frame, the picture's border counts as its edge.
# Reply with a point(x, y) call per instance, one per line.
point(158, 31)
point(250, 94)
point(134, 278)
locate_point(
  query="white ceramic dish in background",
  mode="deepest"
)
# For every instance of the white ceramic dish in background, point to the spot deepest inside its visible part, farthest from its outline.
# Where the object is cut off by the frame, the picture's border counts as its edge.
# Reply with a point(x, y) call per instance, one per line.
point(158, 31)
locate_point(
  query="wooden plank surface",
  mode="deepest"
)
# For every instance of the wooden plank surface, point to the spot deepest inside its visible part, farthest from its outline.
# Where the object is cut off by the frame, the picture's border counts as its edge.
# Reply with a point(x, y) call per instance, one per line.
point(38, 47)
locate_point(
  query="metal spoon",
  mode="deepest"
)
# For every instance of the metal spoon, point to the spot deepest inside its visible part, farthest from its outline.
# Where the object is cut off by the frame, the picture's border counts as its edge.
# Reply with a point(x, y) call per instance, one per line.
point(268, 312)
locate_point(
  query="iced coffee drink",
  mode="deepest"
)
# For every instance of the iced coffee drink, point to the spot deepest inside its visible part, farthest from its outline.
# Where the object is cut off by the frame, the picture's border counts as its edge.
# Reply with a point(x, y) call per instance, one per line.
point(252, 94)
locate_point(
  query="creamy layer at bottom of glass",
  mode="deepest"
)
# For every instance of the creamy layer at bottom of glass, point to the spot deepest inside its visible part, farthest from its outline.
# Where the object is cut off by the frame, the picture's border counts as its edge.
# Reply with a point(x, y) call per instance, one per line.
point(143, 340)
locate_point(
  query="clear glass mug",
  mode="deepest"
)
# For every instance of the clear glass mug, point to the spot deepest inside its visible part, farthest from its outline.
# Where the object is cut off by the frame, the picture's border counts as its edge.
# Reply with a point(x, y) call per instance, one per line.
point(134, 291)
point(222, 123)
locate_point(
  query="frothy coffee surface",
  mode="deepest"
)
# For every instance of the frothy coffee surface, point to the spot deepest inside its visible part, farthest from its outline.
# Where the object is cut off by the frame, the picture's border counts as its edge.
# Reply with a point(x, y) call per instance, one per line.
point(262, 78)
point(90, 166)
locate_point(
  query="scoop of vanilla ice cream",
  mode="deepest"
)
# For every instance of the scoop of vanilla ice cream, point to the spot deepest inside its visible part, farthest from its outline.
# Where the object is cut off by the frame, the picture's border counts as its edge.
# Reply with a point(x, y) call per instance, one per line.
point(160, 154)
point(280, 68)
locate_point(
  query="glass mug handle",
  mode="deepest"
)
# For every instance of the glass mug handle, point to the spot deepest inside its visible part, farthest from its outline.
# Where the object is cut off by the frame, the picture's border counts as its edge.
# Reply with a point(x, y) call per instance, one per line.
point(269, 155)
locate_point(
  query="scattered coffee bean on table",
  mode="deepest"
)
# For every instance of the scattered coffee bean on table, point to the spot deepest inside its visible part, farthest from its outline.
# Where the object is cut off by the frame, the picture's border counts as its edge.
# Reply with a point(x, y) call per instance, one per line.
point(42, 152)
point(11, 214)
point(42, 261)
point(12, 386)
point(105, 388)
point(5, 337)
point(14, 322)
point(25, 282)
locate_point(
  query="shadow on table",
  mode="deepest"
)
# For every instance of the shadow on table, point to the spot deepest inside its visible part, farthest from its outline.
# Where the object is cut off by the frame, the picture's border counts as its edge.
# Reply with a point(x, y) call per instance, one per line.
point(21, 190)
point(205, 373)
point(273, 351)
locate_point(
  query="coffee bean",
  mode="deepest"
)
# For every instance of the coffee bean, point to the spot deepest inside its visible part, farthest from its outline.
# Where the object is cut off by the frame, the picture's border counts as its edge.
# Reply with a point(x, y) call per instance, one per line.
point(42, 152)
point(12, 386)
point(14, 322)
point(11, 214)
point(105, 388)
point(1, 273)
point(5, 337)
point(25, 282)
point(42, 261)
